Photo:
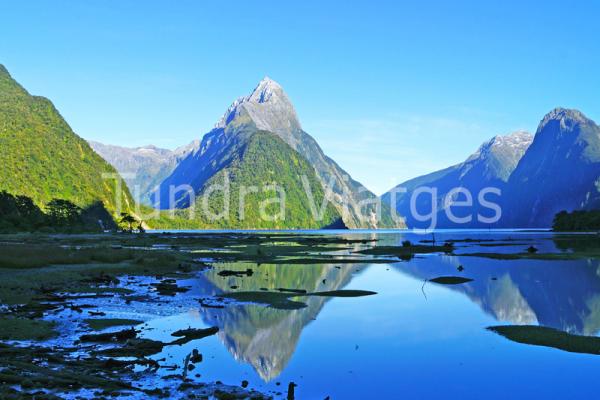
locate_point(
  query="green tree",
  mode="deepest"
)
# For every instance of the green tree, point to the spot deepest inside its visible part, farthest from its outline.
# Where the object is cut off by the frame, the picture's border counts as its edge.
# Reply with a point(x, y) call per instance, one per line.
point(63, 213)
point(128, 220)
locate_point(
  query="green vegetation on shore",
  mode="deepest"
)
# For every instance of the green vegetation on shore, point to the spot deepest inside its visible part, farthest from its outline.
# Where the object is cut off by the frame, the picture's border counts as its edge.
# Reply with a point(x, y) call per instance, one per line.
point(20, 214)
point(577, 221)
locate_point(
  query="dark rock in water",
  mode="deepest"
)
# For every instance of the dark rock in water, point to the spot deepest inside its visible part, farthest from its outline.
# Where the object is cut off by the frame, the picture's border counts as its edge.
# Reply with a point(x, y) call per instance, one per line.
point(134, 348)
point(532, 249)
point(450, 280)
point(238, 274)
point(187, 335)
point(460, 268)
point(119, 336)
point(196, 357)
point(291, 389)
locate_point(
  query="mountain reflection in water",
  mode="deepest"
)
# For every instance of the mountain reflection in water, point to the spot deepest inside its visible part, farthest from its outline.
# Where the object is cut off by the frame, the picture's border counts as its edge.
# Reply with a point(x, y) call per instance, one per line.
point(266, 337)
point(562, 294)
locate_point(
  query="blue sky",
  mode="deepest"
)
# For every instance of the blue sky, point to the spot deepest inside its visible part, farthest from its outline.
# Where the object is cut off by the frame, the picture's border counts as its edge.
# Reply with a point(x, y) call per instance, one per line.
point(390, 90)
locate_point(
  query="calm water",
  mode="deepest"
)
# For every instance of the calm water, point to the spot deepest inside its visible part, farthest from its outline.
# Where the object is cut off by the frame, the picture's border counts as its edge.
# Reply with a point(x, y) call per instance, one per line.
point(410, 340)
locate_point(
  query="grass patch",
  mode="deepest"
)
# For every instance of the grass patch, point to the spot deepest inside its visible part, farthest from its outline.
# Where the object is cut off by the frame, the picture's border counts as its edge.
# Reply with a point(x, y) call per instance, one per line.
point(25, 329)
point(534, 256)
point(278, 300)
point(281, 300)
point(549, 337)
point(35, 256)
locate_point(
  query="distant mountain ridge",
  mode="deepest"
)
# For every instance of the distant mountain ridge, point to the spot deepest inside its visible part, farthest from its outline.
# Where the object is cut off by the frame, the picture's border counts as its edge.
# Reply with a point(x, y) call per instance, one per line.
point(559, 171)
point(490, 166)
point(268, 108)
point(42, 158)
point(143, 168)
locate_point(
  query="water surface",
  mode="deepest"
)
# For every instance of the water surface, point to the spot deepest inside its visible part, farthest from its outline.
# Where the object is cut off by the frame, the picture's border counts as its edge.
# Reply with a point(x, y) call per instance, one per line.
point(411, 339)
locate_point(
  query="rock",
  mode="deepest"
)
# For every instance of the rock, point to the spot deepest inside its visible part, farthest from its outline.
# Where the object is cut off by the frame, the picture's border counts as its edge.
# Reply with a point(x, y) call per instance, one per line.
point(291, 391)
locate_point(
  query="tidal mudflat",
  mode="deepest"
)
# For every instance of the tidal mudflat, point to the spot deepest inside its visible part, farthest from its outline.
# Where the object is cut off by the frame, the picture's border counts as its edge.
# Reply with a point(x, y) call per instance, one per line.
point(305, 315)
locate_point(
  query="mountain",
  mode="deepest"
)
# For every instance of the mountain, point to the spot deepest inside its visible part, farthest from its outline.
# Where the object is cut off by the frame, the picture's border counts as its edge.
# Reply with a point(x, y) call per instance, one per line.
point(490, 166)
point(269, 109)
point(559, 171)
point(255, 173)
point(143, 168)
point(43, 159)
